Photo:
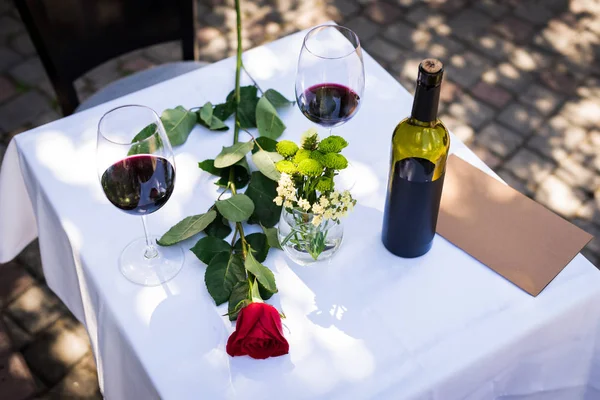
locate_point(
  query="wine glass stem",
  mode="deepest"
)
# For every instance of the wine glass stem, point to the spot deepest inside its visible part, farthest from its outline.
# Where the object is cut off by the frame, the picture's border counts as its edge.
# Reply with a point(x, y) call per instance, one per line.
point(330, 131)
point(150, 251)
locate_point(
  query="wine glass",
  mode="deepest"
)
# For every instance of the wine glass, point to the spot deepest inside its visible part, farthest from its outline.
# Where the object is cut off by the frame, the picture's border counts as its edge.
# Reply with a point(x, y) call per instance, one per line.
point(136, 168)
point(331, 76)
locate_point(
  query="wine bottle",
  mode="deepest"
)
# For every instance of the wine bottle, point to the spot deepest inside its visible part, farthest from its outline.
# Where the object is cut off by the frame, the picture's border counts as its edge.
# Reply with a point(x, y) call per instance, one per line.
point(420, 145)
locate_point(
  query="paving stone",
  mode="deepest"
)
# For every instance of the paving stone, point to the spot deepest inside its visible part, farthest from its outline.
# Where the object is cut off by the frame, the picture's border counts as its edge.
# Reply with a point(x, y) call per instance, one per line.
point(493, 95)
point(494, 8)
point(18, 336)
point(516, 183)
point(382, 13)
point(576, 173)
point(81, 382)
point(425, 17)
point(473, 112)
point(14, 280)
point(556, 138)
point(498, 139)
point(534, 12)
point(22, 44)
point(559, 80)
point(16, 381)
point(404, 3)
point(559, 197)
point(528, 59)
point(486, 156)
point(30, 258)
point(529, 166)
point(364, 28)
point(9, 26)
point(541, 99)
point(466, 69)
point(509, 77)
point(590, 211)
point(36, 309)
point(514, 29)
point(493, 46)
point(520, 118)
point(56, 350)
point(406, 35)
point(584, 112)
point(7, 89)
point(383, 50)
point(450, 91)
point(460, 129)
point(346, 7)
point(447, 7)
point(30, 72)
point(8, 58)
point(469, 23)
point(22, 110)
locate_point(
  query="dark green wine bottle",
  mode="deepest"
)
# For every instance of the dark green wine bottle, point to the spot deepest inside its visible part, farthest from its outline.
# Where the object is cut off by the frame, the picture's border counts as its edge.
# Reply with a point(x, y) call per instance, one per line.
point(420, 147)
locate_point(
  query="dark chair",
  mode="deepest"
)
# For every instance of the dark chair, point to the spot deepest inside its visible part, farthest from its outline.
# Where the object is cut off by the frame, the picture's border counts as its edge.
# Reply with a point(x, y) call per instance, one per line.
point(74, 36)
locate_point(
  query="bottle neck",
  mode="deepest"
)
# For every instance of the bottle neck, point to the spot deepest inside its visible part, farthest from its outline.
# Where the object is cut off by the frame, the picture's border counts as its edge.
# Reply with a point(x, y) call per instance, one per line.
point(425, 105)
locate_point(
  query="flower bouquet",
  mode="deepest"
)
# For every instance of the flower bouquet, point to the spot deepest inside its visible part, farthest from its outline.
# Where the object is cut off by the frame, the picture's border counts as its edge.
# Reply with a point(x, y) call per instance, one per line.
point(310, 227)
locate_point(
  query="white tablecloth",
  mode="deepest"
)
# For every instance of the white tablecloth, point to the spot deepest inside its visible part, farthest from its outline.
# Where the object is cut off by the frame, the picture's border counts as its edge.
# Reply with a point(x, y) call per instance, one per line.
point(367, 325)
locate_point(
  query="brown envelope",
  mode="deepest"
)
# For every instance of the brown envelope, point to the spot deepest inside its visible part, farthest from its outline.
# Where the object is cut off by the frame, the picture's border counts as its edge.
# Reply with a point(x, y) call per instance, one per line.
point(505, 230)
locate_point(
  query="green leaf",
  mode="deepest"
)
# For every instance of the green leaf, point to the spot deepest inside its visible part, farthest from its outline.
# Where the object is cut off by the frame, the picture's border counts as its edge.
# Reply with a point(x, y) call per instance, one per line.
point(219, 227)
point(272, 238)
point(222, 274)
point(265, 143)
point(258, 242)
point(145, 133)
point(267, 121)
point(239, 298)
point(208, 247)
point(232, 154)
point(246, 109)
point(206, 113)
point(265, 161)
point(224, 110)
point(262, 191)
point(262, 273)
point(144, 148)
point(255, 292)
point(277, 99)
point(209, 166)
point(187, 228)
point(207, 118)
point(241, 176)
point(237, 208)
point(178, 123)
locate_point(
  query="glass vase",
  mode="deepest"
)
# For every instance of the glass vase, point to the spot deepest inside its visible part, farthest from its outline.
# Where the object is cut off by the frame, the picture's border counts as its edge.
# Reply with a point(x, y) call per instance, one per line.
point(306, 242)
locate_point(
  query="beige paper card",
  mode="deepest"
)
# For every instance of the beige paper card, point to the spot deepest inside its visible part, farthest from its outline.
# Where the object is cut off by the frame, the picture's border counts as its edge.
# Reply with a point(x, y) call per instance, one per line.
point(513, 235)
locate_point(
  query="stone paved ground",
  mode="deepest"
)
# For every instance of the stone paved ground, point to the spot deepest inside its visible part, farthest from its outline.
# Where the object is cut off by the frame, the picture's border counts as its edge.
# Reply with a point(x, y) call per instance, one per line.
point(522, 90)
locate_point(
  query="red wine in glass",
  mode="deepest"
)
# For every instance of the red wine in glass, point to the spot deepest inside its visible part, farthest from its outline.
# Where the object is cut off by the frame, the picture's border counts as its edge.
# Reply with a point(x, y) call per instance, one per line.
point(329, 104)
point(139, 184)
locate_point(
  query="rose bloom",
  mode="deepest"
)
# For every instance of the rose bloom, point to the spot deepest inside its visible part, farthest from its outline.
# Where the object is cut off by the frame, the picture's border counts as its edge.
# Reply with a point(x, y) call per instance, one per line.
point(258, 333)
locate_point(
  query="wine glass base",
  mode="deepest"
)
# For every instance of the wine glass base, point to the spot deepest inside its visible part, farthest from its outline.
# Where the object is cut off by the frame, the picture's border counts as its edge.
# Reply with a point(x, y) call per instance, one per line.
point(154, 271)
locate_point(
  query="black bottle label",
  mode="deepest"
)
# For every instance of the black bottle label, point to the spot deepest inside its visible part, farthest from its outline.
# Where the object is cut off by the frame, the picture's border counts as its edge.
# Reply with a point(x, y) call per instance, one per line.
point(412, 207)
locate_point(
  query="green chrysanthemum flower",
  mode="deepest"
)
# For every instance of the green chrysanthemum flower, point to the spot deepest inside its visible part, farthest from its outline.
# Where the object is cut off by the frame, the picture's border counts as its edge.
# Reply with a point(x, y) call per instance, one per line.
point(317, 155)
point(301, 155)
point(286, 166)
point(335, 161)
point(287, 148)
point(309, 139)
point(310, 167)
point(332, 144)
point(325, 184)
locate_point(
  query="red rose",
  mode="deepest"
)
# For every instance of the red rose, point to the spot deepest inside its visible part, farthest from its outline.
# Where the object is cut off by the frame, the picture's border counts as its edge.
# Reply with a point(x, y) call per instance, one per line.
point(258, 333)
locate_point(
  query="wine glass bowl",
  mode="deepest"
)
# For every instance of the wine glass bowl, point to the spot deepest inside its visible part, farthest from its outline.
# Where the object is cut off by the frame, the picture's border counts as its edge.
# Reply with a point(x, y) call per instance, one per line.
point(136, 169)
point(330, 79)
